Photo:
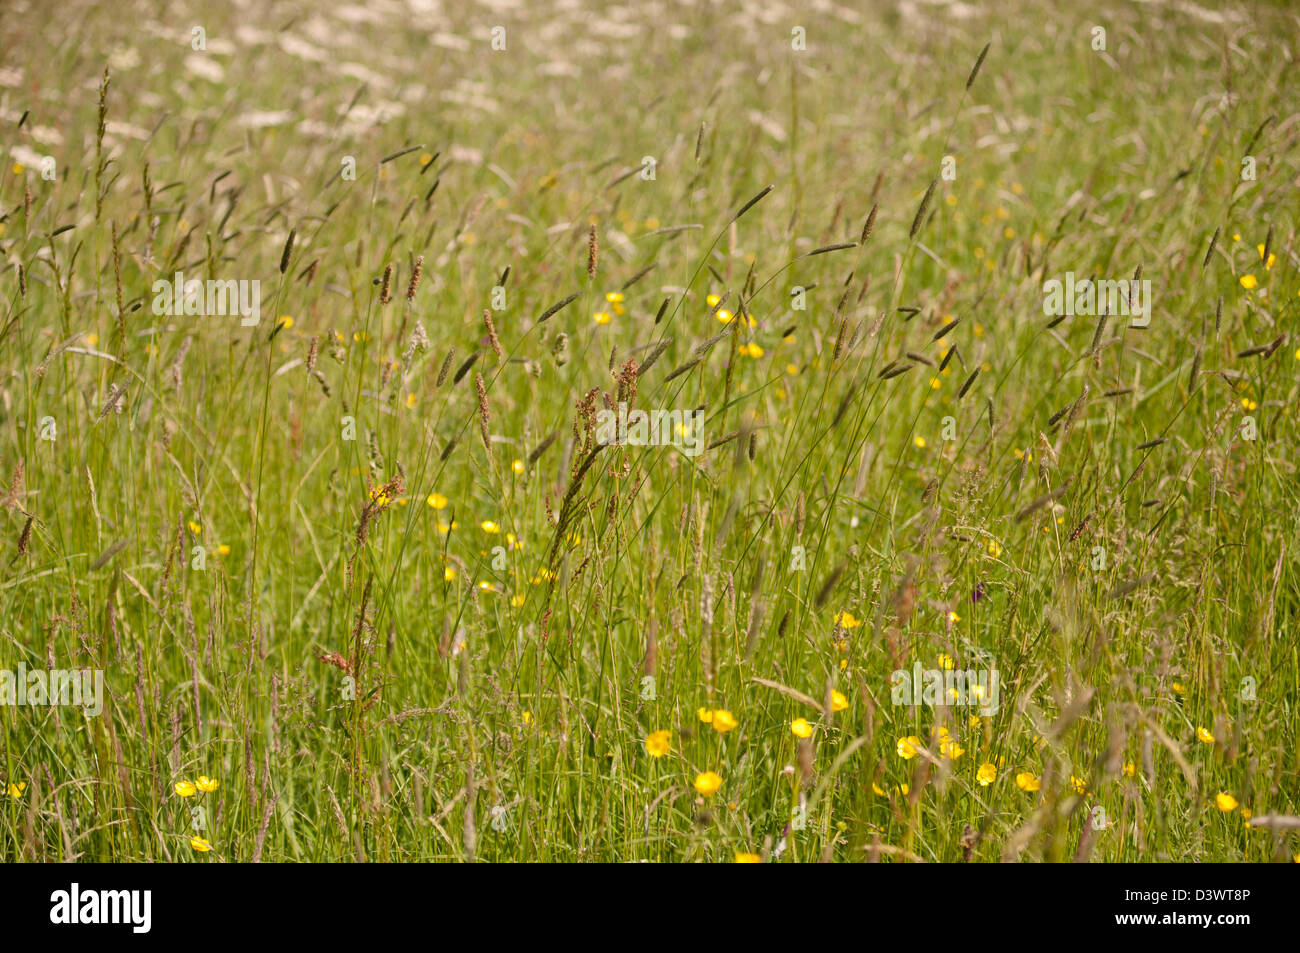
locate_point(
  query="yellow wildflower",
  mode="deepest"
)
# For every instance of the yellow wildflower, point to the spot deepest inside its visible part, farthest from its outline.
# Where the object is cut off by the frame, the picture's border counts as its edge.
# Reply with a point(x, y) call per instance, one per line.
point(708, 783)
point(907, 747)
point(724, 721)
point(657, 743)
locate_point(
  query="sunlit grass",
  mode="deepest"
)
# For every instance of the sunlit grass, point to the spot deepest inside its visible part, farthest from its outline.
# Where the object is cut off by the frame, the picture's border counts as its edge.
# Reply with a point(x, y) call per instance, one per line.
point(358, 596)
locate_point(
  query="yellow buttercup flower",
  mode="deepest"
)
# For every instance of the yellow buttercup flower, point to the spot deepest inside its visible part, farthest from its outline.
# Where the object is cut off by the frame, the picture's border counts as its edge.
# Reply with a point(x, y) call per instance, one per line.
point(207, 784)
point(1248, 282)
point(845, 620)
point(1204, 735)
point(724, 721)
point(708, 783)
point(185, 788)
point(1130, 769)
point(908, 746)
point(1225, 802)
point(16, 790)
point(195, 528)
point(945, 661)
point(517, 466)
point(603, 317)
point(1027, 782)
point(1080, 786)
point(437, 501)
point(744, 858)
point(704, 714)
point(800, 728)
point(489, 527)
point(199, 844)
point(657, 743)
point(986, 774)
point(838, 701)
point(950, 749)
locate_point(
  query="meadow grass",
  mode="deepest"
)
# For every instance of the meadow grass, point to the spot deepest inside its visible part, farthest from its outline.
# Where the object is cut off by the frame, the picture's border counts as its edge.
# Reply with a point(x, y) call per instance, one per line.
point(365, 565)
